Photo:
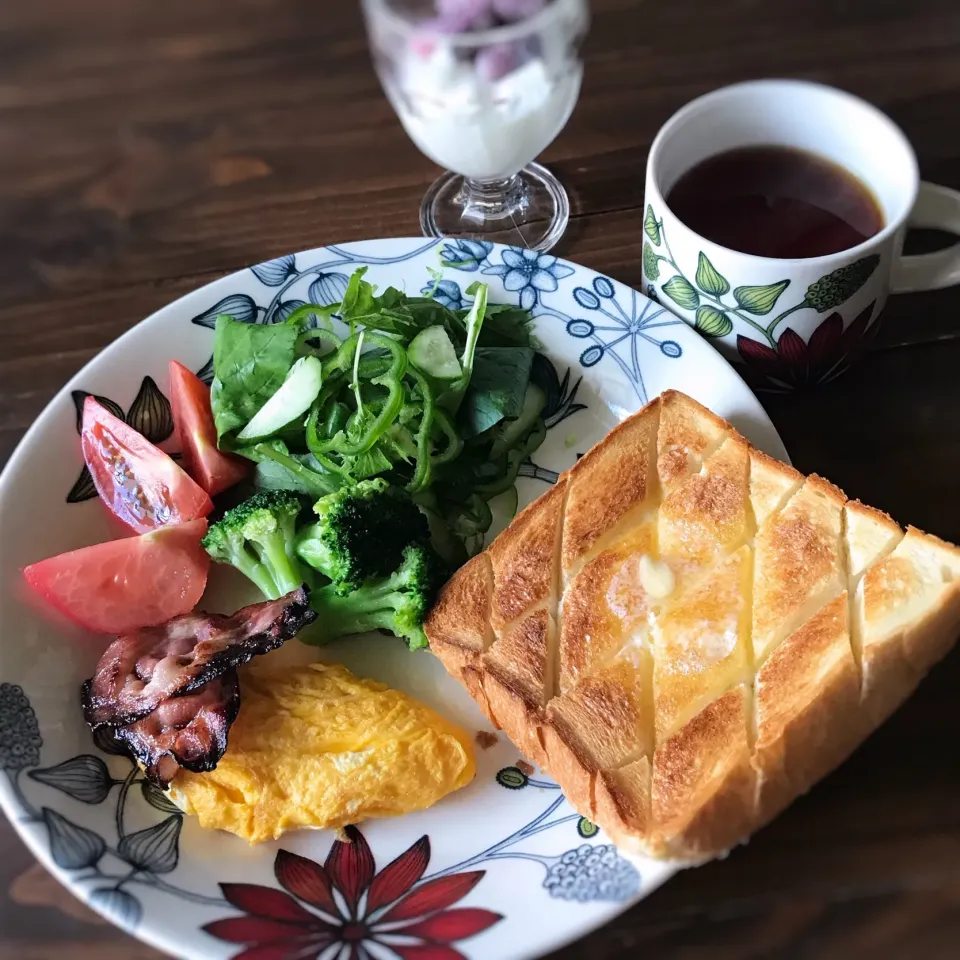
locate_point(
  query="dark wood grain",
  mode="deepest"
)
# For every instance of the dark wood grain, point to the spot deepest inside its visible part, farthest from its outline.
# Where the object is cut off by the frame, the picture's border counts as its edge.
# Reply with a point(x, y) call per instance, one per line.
point(147, 148)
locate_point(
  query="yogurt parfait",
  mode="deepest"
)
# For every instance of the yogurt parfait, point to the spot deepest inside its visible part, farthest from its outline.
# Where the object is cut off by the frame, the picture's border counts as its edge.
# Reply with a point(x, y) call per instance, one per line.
point(482, 87)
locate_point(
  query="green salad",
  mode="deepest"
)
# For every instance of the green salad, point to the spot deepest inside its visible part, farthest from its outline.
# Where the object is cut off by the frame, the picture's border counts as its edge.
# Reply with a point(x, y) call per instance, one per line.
point(438, 402)
point(400, 430)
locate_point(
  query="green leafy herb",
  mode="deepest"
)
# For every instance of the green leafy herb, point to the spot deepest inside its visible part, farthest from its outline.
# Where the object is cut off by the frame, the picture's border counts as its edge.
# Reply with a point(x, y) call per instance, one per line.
point(250, 363)
point(414, 395)
point(497, 388)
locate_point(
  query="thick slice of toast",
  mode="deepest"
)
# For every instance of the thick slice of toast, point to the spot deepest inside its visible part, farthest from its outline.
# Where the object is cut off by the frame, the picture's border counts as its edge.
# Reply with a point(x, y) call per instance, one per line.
point(688, 634)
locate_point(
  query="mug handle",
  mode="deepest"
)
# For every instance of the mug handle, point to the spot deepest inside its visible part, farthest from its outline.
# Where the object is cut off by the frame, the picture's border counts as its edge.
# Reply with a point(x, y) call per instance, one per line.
point(936, 208)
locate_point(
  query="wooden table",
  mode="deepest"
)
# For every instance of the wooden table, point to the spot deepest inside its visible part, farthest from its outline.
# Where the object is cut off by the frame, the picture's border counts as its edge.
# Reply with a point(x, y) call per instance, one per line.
point(147, 148)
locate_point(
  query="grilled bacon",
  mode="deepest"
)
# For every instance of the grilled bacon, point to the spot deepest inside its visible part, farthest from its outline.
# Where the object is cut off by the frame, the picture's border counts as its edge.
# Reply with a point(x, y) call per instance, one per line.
point(188, 731)
point(141, 670)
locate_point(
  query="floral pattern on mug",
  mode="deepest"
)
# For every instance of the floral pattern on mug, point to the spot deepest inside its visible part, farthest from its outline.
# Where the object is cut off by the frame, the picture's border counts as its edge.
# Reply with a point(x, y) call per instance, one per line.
point(794, 363)
point(771, 350)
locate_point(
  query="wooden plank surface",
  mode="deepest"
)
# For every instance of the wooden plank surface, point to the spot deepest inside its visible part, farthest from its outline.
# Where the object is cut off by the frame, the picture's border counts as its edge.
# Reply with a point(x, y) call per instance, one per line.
point(147, 148)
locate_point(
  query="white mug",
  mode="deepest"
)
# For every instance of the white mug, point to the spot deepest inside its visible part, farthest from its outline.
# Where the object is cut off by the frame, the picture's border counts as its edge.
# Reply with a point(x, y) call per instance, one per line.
point(791, 322)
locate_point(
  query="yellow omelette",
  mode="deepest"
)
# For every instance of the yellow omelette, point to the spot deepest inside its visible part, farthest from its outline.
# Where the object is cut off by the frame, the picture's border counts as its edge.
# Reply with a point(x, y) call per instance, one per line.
point(316, 746)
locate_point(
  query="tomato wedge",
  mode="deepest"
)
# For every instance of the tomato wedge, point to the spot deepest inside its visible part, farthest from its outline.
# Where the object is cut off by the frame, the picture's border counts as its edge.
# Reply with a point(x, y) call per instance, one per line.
point(139, 483)
point(190, 399)
point(124, 584)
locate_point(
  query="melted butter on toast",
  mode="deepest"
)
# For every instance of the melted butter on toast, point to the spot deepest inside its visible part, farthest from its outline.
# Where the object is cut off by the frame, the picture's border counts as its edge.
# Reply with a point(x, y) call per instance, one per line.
point(687, 634)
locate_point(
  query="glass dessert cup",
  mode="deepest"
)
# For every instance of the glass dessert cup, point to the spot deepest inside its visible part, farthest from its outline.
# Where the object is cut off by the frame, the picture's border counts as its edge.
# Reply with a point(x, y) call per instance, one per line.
point(483, 96)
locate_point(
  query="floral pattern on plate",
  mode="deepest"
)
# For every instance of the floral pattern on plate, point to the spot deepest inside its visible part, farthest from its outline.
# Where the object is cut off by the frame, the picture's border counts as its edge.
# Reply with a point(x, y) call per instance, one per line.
point(119, 844)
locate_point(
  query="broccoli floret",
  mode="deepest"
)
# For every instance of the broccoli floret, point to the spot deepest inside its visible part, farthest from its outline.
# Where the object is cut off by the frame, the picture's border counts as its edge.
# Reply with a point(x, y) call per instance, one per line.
point(257, 537)
point(362, 532)
point(398, 602)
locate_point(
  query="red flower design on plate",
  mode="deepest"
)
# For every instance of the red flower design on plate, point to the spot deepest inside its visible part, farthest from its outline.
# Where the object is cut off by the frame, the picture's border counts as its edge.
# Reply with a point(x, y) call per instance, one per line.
point(795, 364)
point(346, 902)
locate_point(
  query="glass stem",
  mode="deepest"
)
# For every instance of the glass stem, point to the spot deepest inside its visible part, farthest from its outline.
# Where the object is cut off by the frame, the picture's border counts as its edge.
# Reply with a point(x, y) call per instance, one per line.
point(495, 199)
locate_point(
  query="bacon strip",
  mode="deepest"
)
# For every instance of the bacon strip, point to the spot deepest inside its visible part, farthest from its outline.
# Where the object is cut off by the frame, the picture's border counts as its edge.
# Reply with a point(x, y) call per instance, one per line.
point(189, 731)
point(141, 670)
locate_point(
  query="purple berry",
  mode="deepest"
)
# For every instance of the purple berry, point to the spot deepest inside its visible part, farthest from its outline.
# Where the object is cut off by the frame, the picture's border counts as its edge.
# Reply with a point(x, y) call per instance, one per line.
point(515, 10)
point(458, 16)
point(496, 61)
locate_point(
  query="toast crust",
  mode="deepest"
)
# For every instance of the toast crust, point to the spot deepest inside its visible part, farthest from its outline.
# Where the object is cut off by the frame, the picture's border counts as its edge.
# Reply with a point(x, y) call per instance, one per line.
point(523, 558)
point(808, 712)
point(798, 564)
point(772, 483)
point(688, 634)
point(515, 673)
point(703, 788)
point(599, 724)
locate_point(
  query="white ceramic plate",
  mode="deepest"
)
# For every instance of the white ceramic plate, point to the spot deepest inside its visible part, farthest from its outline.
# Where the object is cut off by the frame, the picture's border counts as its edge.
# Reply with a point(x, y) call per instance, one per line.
point(510, 870)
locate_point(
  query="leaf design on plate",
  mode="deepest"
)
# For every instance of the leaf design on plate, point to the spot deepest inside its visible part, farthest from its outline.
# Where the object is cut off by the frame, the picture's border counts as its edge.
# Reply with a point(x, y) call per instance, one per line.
point(587, 828)
point(106, 742)
point(274, 272)
point(157, 798)
point(237, 305)
point(760, 300)
point(72, 847)
point(713, 322)
point(680, 290)
point(154, 849)
point(205, 373)
point(79, 396)
point(840, 285)
point(150, 412)
point(709, 279)
point(83, 489)
point(651, 266)
point(328, 288)
point(122, 908)
point(285, 308)
point(651, 227)
point(85, 778)
point(529, 469)
point(513, 778)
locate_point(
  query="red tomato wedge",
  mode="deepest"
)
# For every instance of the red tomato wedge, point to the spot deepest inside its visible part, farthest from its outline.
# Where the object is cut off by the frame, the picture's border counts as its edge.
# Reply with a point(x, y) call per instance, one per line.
point(190, 399)
point(124, 584)
point(138, 482)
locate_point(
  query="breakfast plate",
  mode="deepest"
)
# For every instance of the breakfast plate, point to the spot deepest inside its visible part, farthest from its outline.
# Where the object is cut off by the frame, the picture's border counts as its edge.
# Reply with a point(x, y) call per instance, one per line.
point(502, 869)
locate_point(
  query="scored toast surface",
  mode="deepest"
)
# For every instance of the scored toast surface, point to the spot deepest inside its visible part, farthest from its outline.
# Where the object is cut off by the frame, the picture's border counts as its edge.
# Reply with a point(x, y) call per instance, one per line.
point(687, 634)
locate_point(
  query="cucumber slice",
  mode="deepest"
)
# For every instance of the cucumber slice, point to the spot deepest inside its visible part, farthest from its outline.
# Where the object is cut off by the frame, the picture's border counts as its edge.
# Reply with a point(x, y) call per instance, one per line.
point(291, 400)
point(432, 353)
point(512, 431)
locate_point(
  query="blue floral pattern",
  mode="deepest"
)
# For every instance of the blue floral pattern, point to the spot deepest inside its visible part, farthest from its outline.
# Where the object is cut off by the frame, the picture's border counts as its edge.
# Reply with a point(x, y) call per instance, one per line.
point(616, 332)
point(529, 273)
point(446, 292)
point(465, 255)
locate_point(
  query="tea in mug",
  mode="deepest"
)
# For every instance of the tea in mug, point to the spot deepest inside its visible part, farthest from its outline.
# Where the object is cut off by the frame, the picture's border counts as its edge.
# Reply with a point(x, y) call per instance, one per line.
point(775, 201)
